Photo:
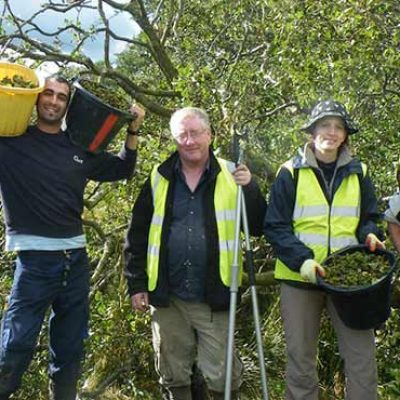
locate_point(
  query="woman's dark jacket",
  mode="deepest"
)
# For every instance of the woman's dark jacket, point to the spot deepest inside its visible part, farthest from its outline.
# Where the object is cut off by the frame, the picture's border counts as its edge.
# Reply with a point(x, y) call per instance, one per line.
point(278, 224)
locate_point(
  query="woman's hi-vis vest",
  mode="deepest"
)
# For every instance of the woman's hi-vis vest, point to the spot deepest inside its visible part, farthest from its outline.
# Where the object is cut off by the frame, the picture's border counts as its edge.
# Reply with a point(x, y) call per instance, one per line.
point(225, 197)
point(321, 227)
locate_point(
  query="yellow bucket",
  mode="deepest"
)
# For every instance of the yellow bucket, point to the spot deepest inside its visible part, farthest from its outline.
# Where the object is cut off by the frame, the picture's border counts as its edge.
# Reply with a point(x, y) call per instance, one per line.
point(16, 104)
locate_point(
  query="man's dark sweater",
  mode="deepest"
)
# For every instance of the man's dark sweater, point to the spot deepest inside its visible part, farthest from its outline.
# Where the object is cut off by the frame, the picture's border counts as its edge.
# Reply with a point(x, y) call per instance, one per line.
point(43, 178)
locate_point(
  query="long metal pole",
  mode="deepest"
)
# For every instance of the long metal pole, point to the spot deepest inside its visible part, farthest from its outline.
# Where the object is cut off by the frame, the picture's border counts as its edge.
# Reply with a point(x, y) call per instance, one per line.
point(241, 216)
point(256, 314)
point(233, 299)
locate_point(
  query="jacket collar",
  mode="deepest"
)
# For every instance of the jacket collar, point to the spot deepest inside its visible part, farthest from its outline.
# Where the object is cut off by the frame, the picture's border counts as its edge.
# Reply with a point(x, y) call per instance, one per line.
point(167, 168)
point(305, 158)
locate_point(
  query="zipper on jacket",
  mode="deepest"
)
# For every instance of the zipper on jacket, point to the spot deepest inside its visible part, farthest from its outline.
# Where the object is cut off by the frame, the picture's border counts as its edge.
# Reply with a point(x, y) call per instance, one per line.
point(329, 192)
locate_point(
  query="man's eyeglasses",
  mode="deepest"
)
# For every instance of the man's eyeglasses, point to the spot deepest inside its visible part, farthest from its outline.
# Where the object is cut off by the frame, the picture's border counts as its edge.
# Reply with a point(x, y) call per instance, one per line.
point(184, 136)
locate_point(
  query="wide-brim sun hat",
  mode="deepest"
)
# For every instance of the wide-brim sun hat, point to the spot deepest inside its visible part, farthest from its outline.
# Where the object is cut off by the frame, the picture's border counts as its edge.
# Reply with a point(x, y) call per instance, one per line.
point(329, 108)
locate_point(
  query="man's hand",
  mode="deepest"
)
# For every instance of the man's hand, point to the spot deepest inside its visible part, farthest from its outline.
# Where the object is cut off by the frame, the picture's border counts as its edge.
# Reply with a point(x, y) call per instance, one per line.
point(310, 269)
point(242, 175)
point(140, 301)
point(138, 113)
point(373, 242)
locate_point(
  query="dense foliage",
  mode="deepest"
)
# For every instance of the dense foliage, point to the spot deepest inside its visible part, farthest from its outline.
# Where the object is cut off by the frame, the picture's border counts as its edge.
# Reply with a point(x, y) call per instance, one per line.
point(356, 269)
point(257, 66)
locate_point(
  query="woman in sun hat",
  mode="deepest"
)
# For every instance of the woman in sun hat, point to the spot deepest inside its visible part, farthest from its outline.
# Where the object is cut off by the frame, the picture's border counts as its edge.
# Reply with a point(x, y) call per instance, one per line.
point(321, 201)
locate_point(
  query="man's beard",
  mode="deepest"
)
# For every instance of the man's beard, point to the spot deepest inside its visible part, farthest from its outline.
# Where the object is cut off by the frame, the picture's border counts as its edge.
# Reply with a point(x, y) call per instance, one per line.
point(54, 120)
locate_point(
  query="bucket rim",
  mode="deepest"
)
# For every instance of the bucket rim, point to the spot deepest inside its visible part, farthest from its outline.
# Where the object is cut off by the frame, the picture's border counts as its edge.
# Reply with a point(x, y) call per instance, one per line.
point(19, 90)
point(78, 86)
point(355, 289)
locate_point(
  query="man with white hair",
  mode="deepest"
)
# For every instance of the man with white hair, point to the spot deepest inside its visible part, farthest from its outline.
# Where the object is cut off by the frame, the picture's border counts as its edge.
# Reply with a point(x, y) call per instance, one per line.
point(179, 251)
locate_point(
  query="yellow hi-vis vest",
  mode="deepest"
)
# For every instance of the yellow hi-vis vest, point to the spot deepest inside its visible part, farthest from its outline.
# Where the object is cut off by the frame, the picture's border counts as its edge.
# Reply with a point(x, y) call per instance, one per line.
point(319, 226)
point(225, 197)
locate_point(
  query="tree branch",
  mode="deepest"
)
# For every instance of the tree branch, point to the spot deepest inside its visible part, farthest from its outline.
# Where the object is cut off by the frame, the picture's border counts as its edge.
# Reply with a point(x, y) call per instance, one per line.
point(274, 111)
point(106, 34)
point(137, 10)
point(40, 51)
point(97, 228)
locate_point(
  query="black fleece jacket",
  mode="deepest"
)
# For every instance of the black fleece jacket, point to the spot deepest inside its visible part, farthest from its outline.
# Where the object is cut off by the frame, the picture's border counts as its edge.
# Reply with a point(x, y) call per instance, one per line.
point(43, 177)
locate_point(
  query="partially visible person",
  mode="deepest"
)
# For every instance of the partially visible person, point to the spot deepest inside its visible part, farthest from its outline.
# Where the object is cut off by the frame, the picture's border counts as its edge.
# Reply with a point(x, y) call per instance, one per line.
point(321, 201)
point(392, 217)
point(179, 253)
point(42, 180)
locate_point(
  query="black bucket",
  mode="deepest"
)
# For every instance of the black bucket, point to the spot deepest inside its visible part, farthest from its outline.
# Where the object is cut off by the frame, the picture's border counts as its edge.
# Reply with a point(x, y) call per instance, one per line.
point(362, 307)
point(91, 123)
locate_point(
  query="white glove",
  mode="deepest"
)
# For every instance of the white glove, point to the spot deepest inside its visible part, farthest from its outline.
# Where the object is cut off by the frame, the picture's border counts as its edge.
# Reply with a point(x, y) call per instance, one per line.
point(309, 270)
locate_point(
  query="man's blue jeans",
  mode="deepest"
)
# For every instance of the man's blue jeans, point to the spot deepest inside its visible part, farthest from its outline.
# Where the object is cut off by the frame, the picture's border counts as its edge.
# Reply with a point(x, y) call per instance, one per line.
point(43, 279)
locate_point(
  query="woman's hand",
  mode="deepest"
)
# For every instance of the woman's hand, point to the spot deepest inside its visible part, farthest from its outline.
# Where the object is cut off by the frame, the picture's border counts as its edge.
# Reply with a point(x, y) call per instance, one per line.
point(309, 270)
point(373, 242)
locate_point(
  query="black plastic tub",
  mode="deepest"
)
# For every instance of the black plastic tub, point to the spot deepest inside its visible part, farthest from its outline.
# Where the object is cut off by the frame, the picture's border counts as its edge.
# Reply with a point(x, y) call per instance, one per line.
point(362, 307)
point(91, 123)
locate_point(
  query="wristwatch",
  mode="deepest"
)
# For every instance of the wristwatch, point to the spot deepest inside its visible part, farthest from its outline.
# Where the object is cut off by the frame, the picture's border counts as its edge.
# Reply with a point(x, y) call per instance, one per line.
point(132, 132)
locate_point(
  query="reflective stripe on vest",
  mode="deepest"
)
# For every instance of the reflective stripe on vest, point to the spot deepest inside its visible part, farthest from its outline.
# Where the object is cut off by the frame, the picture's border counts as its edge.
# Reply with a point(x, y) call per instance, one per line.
point(319, 226)
point(159, 187)
point(225, 195)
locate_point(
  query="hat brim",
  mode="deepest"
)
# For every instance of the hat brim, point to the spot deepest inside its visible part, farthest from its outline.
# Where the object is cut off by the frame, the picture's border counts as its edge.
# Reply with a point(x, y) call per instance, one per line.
point(349, 125)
